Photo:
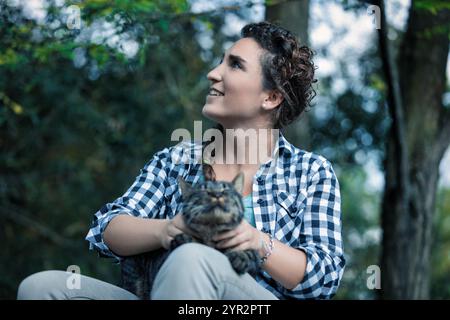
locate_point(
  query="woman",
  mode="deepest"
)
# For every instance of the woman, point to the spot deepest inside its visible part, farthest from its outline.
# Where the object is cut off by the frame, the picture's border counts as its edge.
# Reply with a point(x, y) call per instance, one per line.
point(293, 211)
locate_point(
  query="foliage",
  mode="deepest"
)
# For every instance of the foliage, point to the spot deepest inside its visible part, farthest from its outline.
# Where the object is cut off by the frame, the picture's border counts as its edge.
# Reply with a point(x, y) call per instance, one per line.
point(79, 118)
point(361, 232)
point(440, 274)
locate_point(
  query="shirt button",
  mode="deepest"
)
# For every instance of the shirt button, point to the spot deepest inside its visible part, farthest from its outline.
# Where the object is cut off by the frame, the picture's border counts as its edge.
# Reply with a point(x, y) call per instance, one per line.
point(260, 201)
point(260, 180)
point(294, 208)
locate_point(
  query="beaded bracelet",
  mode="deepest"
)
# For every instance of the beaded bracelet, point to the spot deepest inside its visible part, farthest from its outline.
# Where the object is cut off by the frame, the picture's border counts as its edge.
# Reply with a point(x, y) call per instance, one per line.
point(269, 249)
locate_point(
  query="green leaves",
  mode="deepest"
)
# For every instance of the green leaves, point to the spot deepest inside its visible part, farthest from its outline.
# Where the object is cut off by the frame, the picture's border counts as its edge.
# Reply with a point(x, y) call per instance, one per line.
point(14, 106)
point(9, 58)
point(99, 54)
point(79, 118)
point(432, 5)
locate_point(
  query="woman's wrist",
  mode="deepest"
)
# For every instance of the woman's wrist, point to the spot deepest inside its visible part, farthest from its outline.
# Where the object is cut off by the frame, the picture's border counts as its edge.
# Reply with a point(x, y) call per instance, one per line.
point(265, 246)
point(162, 232)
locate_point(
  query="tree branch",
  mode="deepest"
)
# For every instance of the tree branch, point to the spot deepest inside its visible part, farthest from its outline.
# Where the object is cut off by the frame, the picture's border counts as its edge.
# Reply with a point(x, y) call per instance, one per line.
point(395, 106)
point(14, 215)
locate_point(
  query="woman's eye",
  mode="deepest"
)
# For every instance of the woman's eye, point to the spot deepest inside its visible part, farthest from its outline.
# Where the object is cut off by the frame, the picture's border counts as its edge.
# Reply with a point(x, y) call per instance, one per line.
point(235, 64)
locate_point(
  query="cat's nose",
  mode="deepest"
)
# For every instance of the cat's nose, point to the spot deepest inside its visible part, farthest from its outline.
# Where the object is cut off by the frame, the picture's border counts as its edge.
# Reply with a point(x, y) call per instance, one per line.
point(218, 199)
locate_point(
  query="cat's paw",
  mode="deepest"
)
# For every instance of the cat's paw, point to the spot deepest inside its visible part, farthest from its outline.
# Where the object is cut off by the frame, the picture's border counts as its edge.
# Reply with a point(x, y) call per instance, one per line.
point(244, 261)
point(180, 239)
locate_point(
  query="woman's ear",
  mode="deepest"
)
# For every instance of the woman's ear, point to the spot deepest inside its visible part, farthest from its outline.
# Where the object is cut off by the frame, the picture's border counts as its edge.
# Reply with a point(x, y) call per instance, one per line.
point(274, 99)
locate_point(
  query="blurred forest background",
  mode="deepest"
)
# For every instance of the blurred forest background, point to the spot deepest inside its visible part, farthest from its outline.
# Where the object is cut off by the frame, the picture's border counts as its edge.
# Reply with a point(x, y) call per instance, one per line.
point(86, 101)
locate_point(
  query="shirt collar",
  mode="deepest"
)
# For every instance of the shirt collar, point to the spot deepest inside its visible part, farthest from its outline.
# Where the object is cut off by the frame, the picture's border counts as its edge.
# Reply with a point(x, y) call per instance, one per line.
point(283, 146)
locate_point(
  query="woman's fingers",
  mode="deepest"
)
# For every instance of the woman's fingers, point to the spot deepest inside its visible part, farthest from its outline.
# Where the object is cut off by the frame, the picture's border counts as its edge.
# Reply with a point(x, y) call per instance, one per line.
point(174, 230)
point(166, 242)
point(241, 228)
point(180, 224)
point(240, 237)
point(233, 241)
point(225, 235)
point(243, 246)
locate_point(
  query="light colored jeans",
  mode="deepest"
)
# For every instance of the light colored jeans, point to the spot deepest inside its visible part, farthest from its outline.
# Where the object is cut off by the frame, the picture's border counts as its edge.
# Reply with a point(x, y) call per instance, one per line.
point(193, 271)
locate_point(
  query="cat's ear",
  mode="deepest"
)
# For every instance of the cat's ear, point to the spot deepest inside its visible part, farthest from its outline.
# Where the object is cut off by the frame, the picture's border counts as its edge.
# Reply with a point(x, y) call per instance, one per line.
point(185, 187)
point(238, 182)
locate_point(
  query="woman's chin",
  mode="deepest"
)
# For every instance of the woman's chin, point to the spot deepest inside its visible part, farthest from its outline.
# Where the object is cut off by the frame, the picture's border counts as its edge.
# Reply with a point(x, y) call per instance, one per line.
point(209, 112)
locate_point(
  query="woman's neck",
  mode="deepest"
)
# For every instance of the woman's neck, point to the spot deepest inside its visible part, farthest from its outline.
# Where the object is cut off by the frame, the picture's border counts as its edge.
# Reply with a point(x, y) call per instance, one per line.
point(246, 146)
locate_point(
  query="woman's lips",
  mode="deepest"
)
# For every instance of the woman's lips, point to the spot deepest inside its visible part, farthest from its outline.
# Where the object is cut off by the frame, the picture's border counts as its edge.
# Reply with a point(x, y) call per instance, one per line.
point(214, 92)
point(212, 97)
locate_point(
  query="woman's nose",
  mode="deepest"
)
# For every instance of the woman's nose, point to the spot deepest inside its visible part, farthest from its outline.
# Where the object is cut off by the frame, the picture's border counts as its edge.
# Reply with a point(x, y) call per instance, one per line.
point(214, 75)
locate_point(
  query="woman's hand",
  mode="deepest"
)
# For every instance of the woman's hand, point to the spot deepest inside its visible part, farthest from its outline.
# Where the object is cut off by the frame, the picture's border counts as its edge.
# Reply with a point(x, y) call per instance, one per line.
point(172, 228)
point(243, 237)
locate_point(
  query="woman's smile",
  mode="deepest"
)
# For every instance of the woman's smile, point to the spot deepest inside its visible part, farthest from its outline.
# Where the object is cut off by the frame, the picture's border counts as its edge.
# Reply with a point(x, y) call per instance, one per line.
point(214, 93)
point(210, 97)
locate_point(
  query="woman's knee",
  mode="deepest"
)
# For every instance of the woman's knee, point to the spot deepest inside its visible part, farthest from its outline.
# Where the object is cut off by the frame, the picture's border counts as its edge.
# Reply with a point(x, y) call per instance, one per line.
point(191, 270)
point(39, 286)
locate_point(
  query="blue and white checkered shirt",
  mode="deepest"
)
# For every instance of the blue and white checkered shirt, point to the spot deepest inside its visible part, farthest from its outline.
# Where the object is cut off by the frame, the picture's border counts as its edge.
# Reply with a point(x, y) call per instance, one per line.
point(296, 198)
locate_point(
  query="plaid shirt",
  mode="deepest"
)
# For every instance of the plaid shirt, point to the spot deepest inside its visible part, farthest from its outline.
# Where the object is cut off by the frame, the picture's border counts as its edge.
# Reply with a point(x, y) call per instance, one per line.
point(296, 198)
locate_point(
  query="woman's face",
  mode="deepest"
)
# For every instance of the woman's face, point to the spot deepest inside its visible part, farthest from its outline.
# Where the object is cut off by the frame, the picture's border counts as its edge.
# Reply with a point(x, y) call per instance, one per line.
point(239, 79)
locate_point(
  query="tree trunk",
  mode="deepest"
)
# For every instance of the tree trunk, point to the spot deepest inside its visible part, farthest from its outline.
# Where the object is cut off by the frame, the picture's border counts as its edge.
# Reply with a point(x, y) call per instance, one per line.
point(294, 16)
point(407, 213)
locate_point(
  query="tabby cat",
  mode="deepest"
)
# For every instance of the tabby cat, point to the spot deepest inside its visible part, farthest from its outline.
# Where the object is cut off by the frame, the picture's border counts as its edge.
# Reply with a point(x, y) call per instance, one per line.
point(208, 208)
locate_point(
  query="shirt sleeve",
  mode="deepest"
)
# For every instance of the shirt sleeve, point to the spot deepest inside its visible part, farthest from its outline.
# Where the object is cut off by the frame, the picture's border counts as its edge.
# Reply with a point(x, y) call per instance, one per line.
point(143, 199)
point(320, 237)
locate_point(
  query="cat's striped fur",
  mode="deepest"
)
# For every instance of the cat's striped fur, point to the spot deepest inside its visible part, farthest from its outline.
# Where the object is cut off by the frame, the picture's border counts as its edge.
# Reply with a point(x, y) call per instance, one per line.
point(209, 208)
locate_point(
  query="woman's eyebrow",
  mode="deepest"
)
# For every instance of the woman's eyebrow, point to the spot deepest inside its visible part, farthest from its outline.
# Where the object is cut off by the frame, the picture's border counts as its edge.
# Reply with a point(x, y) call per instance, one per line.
point(238, 58)
point(235, 57)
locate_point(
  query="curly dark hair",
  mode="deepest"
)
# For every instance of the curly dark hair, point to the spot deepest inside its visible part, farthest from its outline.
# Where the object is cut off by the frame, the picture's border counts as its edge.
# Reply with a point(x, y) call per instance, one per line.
point(287, 67)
